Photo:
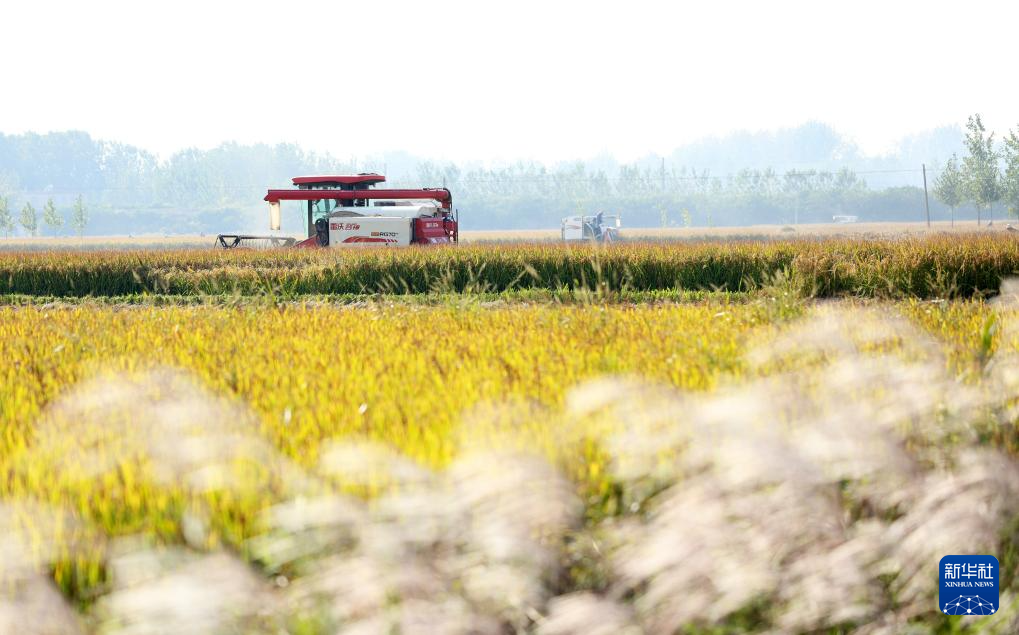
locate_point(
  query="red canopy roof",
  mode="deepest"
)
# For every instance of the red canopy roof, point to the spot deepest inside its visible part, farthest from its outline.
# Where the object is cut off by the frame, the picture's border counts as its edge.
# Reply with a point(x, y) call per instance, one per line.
point(345, 179)
point(440, 194)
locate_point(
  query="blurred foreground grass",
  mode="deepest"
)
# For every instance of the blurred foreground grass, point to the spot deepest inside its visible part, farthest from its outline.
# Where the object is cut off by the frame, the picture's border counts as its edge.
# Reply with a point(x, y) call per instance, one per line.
point(713, 466)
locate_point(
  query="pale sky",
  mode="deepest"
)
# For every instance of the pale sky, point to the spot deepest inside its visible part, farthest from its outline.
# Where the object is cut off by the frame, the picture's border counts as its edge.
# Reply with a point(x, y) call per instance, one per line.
point(547, 80)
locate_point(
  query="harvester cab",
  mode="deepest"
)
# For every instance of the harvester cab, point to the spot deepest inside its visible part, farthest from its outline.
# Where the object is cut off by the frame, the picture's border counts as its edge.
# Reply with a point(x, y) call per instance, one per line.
point(348, 210)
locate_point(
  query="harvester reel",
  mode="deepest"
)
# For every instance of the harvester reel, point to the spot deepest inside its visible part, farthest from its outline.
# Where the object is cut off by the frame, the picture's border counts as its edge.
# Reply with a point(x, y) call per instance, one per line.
point(233, 241)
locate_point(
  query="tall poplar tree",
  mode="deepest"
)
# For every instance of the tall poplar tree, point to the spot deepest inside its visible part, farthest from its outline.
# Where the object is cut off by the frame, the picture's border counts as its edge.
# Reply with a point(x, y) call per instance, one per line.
point(29, 219)
point(980, 166)
point(1010, 178)
point(949, 187)
point(51, 217)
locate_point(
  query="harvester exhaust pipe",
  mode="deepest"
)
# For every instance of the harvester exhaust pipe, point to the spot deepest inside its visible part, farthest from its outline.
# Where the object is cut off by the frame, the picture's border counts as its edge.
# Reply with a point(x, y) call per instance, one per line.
point(274, 215)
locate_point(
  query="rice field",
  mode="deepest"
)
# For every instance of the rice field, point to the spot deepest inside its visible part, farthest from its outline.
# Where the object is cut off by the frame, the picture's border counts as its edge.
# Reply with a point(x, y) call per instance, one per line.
point(931, 267)
point(754, 438)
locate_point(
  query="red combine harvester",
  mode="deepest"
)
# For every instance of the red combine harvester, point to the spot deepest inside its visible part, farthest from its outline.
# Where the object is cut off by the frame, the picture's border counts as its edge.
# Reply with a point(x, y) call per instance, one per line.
point(346, 211)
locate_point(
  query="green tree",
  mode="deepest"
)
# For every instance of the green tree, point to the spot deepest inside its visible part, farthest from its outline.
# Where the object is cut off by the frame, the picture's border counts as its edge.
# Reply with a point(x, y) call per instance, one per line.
point(79, 217)
point(663, 214)
point(949, 187)
point(1010, 179)
point(51, 217)
point(980, 166)
point(6, 218)
point(29, 220)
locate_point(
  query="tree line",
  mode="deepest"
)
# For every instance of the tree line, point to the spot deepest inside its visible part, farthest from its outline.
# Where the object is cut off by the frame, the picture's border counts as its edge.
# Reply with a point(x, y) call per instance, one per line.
point(51, 217)
point(67, 180)
point(47, 181)
point(669, 196)
point(986, 175)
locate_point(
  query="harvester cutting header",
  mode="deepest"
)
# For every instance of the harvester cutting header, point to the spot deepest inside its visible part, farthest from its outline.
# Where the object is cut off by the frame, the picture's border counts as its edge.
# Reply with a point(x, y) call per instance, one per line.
point(346, 211)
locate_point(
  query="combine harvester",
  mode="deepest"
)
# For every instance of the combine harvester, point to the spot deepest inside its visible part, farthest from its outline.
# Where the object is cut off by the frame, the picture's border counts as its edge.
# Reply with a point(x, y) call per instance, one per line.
point(601, 227)
point(347, 211)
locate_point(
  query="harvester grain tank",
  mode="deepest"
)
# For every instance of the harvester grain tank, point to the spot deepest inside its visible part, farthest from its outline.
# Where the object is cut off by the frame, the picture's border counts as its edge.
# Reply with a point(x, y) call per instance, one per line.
point(348, 210)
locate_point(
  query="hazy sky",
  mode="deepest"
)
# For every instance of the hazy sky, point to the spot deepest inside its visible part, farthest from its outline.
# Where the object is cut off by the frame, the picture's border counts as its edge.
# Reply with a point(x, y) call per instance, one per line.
point(497, 80)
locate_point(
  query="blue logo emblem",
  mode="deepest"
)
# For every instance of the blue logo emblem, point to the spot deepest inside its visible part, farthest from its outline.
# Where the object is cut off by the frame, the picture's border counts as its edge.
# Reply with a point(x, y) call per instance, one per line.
point(969, 585)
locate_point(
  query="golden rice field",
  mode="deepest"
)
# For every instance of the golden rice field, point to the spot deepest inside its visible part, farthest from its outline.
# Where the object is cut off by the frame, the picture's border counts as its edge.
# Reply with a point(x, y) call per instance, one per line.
point(487, 457)
point(926, 267)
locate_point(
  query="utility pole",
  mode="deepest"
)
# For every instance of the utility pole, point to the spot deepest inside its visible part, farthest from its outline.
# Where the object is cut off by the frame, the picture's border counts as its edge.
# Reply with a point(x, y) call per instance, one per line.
point(663, 174)
point(926, 201)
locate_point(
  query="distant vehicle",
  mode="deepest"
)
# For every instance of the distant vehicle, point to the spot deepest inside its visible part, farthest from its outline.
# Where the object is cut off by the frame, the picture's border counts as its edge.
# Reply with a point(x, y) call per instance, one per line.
point(601, 227)
point(844, 219)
